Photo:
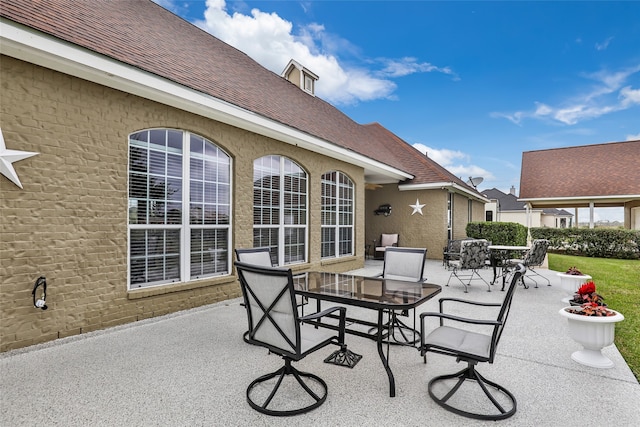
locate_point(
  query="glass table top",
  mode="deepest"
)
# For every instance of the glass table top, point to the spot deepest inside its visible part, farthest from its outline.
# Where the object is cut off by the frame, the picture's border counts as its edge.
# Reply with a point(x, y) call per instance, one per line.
point(369, 292)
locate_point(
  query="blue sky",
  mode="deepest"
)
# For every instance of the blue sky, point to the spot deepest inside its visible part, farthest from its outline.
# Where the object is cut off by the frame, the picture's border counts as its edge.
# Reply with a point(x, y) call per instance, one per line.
point(472, 83)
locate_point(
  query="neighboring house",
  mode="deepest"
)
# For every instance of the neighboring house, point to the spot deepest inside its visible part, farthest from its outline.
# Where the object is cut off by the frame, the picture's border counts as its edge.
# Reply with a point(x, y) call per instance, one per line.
point(507, 208)
point(159, 149)
point(586, 176)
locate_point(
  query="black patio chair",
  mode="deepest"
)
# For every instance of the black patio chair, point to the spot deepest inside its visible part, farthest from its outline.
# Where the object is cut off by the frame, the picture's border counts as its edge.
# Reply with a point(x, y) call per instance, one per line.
point(381, 245)
point(274, 323)
point(406, 265)
point(470, 346)
point(451, 252)
point(262, 257)
point(256, 256)
point(473, 257)
point(533, 258)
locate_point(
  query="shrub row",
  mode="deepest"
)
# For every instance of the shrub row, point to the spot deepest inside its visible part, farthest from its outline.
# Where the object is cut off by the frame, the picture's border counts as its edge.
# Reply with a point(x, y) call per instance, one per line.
point(498, 233)
point(591, 242)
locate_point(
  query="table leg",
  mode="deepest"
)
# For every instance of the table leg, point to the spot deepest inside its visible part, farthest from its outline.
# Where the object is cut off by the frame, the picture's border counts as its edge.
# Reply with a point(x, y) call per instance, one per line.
point(385, 360)
point(494, 262)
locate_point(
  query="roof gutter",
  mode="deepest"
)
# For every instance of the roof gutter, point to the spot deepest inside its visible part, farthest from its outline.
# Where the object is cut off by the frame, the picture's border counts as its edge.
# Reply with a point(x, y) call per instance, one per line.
point(451, 186)
point(38, 48)
point(581, 198)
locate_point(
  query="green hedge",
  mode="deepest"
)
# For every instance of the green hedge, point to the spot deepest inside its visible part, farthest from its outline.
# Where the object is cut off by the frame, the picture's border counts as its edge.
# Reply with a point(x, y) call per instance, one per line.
point(591, 242)
point(498, 233)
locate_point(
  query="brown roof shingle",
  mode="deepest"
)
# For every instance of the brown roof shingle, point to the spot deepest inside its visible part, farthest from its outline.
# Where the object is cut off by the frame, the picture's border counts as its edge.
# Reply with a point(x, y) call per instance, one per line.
point(611, 169)
point(144, 35)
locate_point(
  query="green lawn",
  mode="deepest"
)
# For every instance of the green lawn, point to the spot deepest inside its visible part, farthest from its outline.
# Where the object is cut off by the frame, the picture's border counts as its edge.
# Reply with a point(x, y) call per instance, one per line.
point(618, 281)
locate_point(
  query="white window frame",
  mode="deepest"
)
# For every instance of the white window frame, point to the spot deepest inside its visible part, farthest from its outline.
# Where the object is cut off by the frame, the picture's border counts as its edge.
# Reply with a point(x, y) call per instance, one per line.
point(334, 210)
point(284, 227)
point(185, 227)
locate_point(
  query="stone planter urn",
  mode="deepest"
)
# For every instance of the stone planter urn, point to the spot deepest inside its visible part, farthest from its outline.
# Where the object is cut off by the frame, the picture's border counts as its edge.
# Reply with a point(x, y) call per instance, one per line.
point(570, 283)
point(593, 333)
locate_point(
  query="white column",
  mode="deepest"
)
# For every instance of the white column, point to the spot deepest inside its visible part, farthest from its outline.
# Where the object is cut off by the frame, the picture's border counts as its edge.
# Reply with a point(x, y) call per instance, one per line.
point(591, 204)
point(528, 209)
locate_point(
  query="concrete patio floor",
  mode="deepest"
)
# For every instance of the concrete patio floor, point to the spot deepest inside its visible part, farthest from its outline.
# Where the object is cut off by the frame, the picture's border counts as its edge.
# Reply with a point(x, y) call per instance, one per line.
point(192, 369)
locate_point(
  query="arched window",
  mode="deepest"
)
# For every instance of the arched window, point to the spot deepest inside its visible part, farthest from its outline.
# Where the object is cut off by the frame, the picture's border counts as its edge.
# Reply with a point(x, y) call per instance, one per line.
point(179, 208)
point(337, 215)
point(280, 208)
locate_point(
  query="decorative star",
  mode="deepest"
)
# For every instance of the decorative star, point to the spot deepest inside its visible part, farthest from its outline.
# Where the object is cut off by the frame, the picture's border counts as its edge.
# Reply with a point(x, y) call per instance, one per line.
point(417, 208)
point(7, 157)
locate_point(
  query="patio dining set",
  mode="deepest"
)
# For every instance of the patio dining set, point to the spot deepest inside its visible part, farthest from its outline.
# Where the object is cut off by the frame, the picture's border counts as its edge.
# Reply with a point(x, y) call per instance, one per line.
point(275, 300)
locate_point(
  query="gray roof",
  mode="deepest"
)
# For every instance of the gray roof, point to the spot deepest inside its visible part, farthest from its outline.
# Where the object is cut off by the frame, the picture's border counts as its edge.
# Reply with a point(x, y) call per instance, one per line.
point(509, 202)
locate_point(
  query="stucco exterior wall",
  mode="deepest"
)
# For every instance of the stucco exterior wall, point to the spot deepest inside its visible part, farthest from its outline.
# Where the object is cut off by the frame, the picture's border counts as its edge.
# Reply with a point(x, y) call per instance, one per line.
point(521, 218)
point(69, 223)
point(428, 230)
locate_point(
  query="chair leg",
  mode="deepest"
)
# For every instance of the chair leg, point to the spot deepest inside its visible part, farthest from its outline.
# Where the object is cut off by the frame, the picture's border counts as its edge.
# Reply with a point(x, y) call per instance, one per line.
point(537, 274)
point(317, 398)
point(489, 388)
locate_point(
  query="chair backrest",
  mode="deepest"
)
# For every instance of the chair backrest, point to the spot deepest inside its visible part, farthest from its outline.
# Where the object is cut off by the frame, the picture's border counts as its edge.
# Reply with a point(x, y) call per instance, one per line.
point(473, 253)
point(503, 314)
point(535, 256)
point(269, 299)
point(404, 264)
point(255, 256)
point(454, 245)
point(388, 239)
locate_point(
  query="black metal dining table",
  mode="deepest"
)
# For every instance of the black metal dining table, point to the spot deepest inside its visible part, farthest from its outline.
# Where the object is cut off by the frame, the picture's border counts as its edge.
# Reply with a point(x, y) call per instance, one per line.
point(499, 254)
point(381, 295)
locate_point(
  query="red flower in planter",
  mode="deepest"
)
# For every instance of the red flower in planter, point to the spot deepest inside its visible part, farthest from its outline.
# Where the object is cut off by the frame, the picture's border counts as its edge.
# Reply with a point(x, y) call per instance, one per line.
point(587, 288)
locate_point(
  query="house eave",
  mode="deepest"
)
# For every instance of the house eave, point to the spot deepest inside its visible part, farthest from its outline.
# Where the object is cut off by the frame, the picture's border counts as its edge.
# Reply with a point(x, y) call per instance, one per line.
point(449, 186)
point(30, 45)
point(580, 201)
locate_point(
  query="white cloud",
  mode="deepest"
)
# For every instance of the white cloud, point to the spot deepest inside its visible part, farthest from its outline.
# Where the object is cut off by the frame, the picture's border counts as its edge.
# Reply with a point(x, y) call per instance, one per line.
point(272, 42)
point(454, 161)
point(607, 96)
point(604, 44)
point(405, 66)
point(629, 96)
point(632, 137)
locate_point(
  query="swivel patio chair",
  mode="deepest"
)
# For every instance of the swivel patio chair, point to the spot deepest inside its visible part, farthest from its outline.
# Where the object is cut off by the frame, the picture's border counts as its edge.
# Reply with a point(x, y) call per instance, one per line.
point(255, 256)
point(534, 257)
point(262, 257)
point(274, 323)
point(473, 257)
point(407, 265)
point(472, 347)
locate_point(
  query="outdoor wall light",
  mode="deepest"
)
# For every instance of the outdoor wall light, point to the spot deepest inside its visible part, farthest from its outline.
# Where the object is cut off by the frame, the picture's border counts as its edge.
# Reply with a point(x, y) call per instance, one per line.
point(383, 210)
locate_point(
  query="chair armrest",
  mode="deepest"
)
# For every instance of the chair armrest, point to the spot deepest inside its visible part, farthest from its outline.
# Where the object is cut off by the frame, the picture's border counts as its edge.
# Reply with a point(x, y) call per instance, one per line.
point(343, 312)
point(342, 323)
point(459, 319)
point(464, 301)
point(451, 317)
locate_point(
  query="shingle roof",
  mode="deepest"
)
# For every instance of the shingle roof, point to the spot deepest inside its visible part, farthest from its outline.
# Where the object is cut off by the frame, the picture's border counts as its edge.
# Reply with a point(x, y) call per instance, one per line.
point(144, 35)
point(600, 170)
point(508, 202)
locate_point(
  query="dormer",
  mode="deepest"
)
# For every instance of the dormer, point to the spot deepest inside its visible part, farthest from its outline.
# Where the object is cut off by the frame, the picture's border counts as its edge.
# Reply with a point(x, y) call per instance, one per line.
point(300, 76)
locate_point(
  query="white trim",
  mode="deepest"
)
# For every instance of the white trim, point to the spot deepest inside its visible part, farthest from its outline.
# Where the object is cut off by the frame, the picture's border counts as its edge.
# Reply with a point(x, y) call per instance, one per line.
point(620, 198)
point(33, 46)
point(457, 188)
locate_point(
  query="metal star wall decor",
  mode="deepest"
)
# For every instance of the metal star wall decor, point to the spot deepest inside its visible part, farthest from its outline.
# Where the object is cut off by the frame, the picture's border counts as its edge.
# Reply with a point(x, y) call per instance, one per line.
point(7, 157)
point(417, 208)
